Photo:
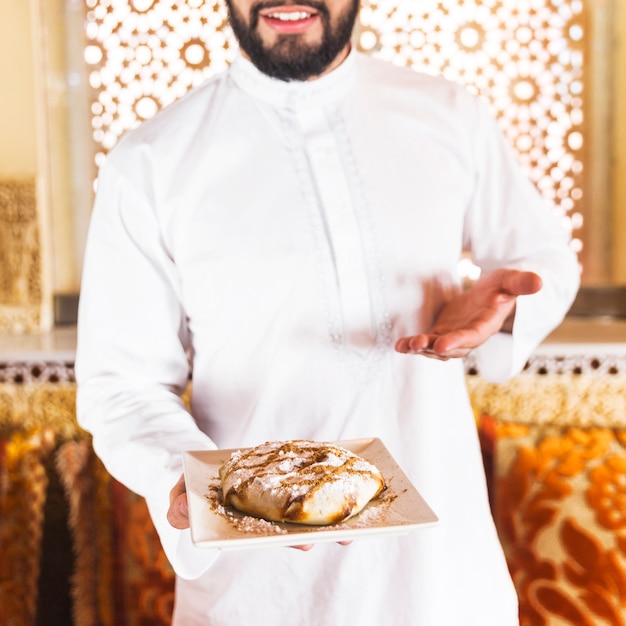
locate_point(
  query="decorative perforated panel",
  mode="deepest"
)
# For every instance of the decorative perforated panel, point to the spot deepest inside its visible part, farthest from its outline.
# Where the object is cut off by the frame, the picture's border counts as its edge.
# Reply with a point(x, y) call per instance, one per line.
point(524, 57)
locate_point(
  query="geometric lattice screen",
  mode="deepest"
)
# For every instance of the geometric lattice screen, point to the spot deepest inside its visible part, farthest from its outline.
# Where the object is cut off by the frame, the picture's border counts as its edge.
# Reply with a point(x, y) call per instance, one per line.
point(524, 57)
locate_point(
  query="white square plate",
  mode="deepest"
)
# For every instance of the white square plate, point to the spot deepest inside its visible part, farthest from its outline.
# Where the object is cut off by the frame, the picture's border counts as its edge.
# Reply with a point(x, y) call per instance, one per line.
point(398, 510)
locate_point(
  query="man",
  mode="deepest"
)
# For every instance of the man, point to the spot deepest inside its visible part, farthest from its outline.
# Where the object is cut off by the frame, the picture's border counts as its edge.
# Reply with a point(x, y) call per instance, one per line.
point(291, 231)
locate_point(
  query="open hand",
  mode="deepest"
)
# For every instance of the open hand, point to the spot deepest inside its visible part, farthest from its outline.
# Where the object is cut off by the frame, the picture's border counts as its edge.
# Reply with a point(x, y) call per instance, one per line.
point(471, 317)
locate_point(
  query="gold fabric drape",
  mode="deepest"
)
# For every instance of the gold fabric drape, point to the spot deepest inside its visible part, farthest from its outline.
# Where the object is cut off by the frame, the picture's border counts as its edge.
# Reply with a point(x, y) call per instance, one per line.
point(554, 443)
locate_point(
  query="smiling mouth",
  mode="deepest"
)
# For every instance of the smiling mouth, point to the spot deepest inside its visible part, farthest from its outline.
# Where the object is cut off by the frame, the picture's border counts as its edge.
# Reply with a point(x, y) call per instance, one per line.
point(290, 16)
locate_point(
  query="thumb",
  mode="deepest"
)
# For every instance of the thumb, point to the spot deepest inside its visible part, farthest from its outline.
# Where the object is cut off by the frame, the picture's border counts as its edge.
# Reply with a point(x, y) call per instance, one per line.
point(519, 283)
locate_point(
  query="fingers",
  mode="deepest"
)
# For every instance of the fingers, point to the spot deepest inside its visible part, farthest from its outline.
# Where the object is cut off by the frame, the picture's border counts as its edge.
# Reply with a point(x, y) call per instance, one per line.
point(442, 349)
point(518, 283)
point(178, 513)
point(308, 546)
point(178, 489)
point(413, 345)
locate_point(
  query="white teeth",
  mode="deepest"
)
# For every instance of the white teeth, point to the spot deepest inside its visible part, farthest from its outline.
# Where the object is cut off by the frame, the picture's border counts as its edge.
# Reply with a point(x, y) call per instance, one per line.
point(292, 16)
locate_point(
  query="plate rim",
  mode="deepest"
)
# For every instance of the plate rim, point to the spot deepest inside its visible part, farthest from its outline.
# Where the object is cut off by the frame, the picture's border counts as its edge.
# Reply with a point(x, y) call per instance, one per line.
point(296, 534)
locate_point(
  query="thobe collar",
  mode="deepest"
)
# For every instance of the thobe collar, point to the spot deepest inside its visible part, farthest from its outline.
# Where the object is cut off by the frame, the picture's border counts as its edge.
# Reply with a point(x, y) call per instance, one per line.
point(295, 95)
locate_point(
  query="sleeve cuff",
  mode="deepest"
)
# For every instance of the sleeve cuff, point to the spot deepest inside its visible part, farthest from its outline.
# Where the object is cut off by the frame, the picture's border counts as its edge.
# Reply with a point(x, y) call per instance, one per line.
point(187, 560)
point(504, 355)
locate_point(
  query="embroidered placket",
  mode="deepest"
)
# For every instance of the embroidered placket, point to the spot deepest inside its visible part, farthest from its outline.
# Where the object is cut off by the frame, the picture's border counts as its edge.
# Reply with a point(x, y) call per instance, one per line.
point(340, 220)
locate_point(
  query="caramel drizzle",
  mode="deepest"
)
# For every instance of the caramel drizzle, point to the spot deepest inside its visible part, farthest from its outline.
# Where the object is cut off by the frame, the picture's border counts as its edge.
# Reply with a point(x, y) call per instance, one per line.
point(307, 471)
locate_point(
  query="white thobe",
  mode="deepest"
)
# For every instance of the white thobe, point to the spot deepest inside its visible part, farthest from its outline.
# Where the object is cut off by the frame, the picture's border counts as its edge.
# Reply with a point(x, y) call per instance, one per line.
point(280, 237)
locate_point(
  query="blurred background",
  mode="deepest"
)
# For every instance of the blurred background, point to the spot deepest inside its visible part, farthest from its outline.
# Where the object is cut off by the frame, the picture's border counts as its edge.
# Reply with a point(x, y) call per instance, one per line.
point(76, 547)
point(77, 74)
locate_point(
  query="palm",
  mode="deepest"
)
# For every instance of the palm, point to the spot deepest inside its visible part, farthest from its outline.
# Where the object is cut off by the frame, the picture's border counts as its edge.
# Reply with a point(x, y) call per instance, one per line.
point(471, 317)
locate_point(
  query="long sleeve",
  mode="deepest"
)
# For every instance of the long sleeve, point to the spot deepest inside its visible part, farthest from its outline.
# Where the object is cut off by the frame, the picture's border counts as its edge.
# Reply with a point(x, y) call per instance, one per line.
point(509, 224)
point(222, 235)
point(132, 356)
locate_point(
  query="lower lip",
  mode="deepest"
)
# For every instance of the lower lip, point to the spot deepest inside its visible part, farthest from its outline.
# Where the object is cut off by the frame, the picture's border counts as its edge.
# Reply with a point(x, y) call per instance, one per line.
point(285, 27)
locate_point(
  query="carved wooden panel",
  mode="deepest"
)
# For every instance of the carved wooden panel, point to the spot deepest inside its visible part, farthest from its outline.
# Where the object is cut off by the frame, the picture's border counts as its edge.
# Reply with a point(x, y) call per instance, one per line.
point(21, 291)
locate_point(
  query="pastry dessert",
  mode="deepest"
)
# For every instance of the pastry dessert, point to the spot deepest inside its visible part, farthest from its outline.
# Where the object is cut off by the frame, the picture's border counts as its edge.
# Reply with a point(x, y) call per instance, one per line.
point(299, 481)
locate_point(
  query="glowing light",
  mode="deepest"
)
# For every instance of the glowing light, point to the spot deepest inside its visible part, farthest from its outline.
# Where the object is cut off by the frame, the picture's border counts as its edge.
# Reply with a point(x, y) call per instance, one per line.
point(575, 140)
point(469, 37)
point(93, 55)
point(142, 5)
point(146, 107)
point(368, 40)
point(467, 270)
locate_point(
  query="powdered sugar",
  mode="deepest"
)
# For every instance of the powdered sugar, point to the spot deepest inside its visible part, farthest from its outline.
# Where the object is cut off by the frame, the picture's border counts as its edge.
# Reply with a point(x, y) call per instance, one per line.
point(285, 472)
point(373, 515)
point(288, 471)
point(243, 523)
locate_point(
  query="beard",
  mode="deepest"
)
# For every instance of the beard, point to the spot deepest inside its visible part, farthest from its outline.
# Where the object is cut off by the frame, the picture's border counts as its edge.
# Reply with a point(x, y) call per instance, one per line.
point(290, 58)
